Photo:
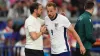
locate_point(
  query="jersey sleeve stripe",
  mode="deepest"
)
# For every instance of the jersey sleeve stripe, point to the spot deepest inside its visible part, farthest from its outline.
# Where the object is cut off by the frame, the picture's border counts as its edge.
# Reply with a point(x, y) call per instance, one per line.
point(66, 39)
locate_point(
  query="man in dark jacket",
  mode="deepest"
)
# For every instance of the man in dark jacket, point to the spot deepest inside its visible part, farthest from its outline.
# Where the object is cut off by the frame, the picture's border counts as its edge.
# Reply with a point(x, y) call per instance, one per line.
point(84, 28)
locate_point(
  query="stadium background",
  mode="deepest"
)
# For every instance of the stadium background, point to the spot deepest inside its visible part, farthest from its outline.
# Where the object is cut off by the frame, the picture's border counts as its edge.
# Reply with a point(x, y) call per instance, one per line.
point(12, 42)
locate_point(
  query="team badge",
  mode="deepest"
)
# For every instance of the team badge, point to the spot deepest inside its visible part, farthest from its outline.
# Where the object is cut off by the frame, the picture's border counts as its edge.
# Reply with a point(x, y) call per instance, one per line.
point(90, 20)
point(56, 25)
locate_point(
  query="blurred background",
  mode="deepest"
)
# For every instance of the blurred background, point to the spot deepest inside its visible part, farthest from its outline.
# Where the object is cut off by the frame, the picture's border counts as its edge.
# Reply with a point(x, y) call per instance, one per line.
point(14, 12)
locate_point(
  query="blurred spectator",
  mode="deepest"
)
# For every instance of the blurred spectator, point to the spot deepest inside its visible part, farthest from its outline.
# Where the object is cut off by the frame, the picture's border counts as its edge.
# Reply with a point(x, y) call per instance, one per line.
point(22, 31)
point(3, 8)
point(7, 3)
point(98, 4)
point(58, 2)
point(95, 9)
point(64, 11)
point(19, 51)
point(26, 9)
point(43, 2)
point(11, 12)
point(19, 9)
point(2, 3)
point(72, 9)
point(6, 37)
point(16, 35)
point(12, 2)
point(79, 4)
point(8, 28)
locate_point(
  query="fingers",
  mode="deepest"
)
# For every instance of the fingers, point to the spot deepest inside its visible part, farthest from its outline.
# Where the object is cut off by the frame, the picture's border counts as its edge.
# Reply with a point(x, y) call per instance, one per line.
point(42, 25)
point(82, 51)
point(43, 29)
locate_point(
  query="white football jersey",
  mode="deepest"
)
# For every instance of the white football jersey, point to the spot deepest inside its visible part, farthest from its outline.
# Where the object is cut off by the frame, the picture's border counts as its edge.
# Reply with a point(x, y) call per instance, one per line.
point(57, 29)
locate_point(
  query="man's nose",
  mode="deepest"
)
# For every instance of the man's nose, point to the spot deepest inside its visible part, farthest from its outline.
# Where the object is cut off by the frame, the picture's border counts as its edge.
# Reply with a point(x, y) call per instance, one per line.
point(49, 13)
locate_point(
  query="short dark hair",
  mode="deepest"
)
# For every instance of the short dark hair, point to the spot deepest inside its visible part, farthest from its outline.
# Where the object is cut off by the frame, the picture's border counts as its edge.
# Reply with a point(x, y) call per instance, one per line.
point(89, 5)
point(33, 7)
point(51, 4)
point(9, 20)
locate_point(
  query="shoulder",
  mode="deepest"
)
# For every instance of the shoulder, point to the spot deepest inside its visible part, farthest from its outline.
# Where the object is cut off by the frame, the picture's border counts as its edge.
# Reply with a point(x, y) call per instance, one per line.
point(46, 18)
point(41, 21)
point(85, 16)
point(30, 19)
point(60, 15)
point(82, 17)
point(62, 18)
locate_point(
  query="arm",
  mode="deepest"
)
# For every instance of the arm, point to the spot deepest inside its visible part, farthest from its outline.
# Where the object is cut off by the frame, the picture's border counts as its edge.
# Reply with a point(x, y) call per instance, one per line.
point(35, 35)
point(82, 48)
point(71, 29)
point(68, 25)
point(32, 29)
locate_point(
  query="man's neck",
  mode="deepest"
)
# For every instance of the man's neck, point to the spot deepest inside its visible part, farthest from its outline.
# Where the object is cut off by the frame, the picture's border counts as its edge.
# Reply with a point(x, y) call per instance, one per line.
point(89, 11)
point(9, 27)
point(55, 16)
point(34, 14)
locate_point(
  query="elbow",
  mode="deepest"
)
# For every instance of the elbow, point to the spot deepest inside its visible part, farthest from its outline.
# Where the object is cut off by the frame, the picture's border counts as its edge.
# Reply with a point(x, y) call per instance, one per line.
point(34, 37)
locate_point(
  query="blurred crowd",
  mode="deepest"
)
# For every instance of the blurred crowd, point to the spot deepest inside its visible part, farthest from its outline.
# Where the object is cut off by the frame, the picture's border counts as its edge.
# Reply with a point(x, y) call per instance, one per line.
point(12, 31)
point(20, 8)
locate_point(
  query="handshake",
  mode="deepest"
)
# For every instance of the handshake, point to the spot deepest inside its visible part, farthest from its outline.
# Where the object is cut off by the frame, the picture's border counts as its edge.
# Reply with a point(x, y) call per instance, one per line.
point(43, 29)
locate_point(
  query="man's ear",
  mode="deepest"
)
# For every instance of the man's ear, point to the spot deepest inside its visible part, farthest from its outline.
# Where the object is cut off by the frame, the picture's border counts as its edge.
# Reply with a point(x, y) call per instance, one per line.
point(56, 9)
point(35, 10)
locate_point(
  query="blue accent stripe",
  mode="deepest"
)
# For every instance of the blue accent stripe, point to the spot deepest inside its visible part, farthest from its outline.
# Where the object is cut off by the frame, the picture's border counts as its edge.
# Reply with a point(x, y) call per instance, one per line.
point(66, 39)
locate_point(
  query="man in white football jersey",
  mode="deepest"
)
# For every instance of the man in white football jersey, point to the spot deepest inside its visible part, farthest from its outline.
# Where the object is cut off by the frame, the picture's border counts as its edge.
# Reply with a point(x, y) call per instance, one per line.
point(57, 25)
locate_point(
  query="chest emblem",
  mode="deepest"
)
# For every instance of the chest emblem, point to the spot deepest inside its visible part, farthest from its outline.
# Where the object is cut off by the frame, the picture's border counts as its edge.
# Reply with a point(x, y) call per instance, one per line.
point(56, 25)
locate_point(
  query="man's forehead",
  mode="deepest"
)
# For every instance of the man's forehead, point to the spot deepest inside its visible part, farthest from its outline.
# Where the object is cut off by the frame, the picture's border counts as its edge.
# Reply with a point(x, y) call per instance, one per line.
point(40, 6)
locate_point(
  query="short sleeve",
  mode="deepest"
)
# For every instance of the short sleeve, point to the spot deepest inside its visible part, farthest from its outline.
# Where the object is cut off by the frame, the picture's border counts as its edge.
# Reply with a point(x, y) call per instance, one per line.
point(66, 22)
point(45, 20)
point(31, 26)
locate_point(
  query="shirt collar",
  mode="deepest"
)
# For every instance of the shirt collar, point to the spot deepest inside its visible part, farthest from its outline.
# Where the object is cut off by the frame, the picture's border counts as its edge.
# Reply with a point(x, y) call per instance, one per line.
point(88, 13)
point(55, 17)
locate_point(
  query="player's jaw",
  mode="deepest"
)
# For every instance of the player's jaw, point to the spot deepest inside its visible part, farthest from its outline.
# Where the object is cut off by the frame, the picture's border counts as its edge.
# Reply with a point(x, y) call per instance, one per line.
point(50, 16)
point(39, 15)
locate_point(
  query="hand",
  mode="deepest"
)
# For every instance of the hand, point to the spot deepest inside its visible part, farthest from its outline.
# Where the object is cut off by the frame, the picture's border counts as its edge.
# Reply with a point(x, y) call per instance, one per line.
point(82, 50)
point(43, 29)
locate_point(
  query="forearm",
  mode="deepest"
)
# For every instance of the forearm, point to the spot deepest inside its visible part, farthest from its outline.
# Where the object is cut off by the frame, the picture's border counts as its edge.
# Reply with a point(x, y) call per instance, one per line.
point(35, 35)
point(76, 36)
point(39, 34)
